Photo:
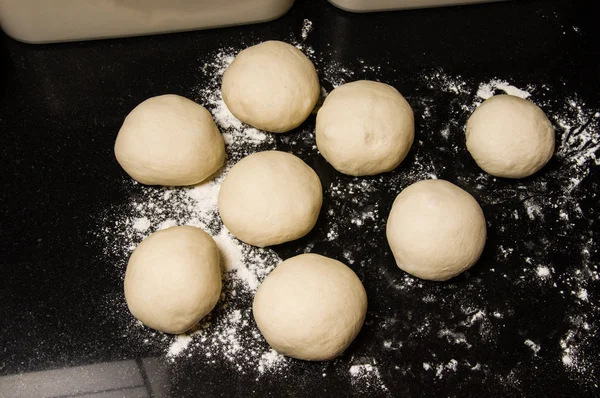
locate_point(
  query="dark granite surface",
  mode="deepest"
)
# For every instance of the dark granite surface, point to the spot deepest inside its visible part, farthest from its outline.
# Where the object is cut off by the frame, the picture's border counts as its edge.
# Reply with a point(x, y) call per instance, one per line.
point(61, 107)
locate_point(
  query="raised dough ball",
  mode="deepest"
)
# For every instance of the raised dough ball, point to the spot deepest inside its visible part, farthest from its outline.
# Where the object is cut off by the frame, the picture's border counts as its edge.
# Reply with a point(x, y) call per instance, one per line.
point(436, 230)
point(269, 198)
point(173, 279)
point(169, 140)
point(365, 128)
point(510, 137)
point(310, 307)
point(271, 86)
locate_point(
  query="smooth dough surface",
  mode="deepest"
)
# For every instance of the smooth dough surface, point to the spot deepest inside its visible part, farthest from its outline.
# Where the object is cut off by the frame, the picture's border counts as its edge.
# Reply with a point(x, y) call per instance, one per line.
point(272, 86)
point(510, 137)
point(436, 230)
point(310, 307)
point(173, 279)
point(269, 198)
point(365, 128)
point(169, 140)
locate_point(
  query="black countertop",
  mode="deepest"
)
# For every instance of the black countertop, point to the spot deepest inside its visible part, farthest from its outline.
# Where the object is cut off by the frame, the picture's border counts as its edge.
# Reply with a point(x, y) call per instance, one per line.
point(525, 321)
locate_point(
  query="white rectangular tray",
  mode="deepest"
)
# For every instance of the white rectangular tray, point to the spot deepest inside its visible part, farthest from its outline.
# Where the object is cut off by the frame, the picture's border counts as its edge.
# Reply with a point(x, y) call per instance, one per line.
point(383, 5)
point(42, 21)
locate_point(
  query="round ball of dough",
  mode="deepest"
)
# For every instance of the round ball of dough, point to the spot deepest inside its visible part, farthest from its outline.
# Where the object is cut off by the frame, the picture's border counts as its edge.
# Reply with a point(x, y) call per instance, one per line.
point(365, 128)
point(436, 230)
point(510, 137)
point(271, 86)
point(169, 140)
point(310, 307)
point(269, 198)
point(173, 279)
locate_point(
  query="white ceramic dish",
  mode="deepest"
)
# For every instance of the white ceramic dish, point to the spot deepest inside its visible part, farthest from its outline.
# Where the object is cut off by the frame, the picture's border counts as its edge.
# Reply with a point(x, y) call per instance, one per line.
point(385, 5)
point(43, 21)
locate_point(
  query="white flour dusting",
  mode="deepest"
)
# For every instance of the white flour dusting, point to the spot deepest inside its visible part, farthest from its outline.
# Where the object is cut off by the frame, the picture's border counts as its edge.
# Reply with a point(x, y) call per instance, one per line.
point(270, 361)
point(487, 90)
point(180, 343)
point(543, 271)
point(534, 347)
point(450, 366)
point(307, 27)
point(454, 337)
point(141, 224)
point(438, 80)
point(366, 377)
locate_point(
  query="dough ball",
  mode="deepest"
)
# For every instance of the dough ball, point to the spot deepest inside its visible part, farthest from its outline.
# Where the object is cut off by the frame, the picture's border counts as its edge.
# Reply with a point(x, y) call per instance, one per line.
point(169, 140)
point(271, 86)
point(173, 279)
point(510, 137)
point(310, 307)
point(365, 128)
point(269, 198)
point(436, 230)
